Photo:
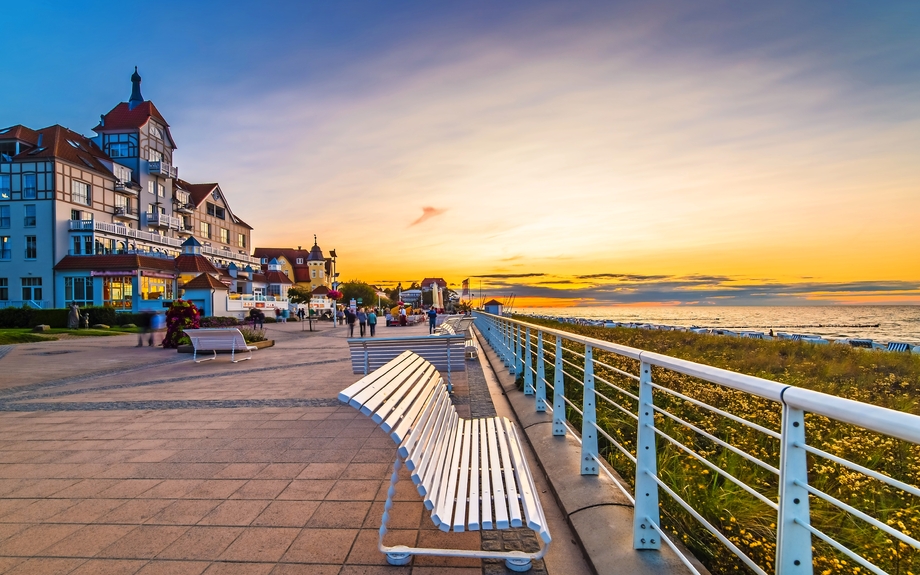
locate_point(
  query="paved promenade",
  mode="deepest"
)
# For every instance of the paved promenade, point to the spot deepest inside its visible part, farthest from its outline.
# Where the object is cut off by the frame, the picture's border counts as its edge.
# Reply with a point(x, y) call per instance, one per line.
point(117, 459)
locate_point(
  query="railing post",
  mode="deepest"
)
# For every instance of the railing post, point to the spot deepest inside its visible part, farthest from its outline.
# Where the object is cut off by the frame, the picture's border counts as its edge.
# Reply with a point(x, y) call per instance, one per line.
point(541, 375)
point(793, 542)
point(589, 419)
point(559, 427)
point(646, 509)
point(515, 349)
point(528, 365)
point(367, 363)
point(506, 342)
point(519, 350)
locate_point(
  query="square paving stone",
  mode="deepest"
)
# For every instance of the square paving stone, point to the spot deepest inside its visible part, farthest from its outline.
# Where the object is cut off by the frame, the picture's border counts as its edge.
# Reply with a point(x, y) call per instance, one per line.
point(89, 540)
point(261, 489)
point(287, 513)
point(236, 512)
point(109, 567)
point(323, 471)
point(45, 566)
point(135, 511)
point(354, 490)
point(145, 542)
point(174, 568)
point(321, 546)
point(201, 543)
point(260, 544)
point(340, 514)
point(364, 551)
point(185, 512)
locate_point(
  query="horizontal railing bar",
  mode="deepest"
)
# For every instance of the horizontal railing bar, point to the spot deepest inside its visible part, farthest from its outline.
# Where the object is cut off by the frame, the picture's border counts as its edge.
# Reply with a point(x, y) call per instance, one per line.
point(572, 405)
point(833, 543)
point(573, 365)
point(616, 387)
point(856, 467)
point(853, 511)
point(724, 444)
point(667, 540)
point(615, 404)
point(616, 443)
point(717, 469)
point(616, 369)
point(740, 420)
point(715, 532)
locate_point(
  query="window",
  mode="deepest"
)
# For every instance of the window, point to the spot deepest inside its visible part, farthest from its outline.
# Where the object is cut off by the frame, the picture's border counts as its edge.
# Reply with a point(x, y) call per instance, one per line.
point(29, 216)
point(152, 187)
point(155, 131)
point(80, 193)
point(117, 291)
point(6, 251)
point(4, 216)
point(156, 288)
point(154, 155)
point(76, 215)
point(4, 289)
point(205, 229)
point(82, 245)
point(4, 186)
point(225, 236)
point(274, 289)
point(241, 240)
point(120, 145)
point(78, 290)
point(28, 187)
point(31, 247)
point(149, 208)
point(31, 289)
point(299, 261)
point(216, 211)
point(121, 202)
point(161, 190)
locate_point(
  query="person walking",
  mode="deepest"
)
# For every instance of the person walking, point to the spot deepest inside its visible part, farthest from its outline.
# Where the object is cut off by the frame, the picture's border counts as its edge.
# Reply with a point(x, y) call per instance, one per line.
point(300, 313)
point(362, 321)
point(146, 325)
point(350, 320)
point(403, 320)
point(372, 322)
point(432, 319)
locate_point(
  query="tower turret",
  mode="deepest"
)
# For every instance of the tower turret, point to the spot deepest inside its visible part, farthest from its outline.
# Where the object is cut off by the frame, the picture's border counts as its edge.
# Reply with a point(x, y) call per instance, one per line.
point(136, 98)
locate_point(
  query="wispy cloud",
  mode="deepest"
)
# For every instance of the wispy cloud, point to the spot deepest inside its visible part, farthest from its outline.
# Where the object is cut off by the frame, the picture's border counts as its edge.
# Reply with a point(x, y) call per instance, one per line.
point(509, 276)
point(428, 212)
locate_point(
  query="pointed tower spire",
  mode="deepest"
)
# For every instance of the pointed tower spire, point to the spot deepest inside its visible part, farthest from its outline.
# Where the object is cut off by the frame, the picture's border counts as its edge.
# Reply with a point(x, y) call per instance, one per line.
point(136, 98)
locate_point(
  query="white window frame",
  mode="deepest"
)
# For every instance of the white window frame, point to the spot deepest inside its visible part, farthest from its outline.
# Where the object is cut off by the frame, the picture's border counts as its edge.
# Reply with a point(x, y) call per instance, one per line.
point(84, 196)
point(29, 192)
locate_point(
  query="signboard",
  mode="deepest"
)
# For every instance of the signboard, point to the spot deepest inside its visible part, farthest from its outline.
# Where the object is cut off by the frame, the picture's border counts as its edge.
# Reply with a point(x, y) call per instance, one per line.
point(360, 300)
point(114, 274)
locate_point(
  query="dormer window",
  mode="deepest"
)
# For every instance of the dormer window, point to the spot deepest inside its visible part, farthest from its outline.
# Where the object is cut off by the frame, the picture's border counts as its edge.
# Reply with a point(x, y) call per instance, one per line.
point(155, 131)
point(216, 211)
point(299, 261)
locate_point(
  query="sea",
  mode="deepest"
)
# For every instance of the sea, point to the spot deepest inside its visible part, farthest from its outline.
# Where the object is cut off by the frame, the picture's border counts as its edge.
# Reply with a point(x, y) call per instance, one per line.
point(879, 322)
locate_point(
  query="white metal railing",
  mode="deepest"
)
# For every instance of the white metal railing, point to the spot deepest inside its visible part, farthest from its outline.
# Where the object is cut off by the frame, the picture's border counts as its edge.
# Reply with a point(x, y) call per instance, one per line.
point(229, 254)
point(163, 169)
point(80, 225)
point(120, 230)
point(157, 219)
point(654, 410)
point(37, 304)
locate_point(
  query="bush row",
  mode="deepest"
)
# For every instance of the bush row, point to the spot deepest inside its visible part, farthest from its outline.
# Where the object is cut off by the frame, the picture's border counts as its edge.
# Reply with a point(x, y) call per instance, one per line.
point(26, 317)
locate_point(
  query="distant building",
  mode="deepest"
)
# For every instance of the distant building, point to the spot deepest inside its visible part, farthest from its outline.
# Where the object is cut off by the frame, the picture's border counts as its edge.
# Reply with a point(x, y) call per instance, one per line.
point(308, 269)
point(85, 219)
point(493, 306)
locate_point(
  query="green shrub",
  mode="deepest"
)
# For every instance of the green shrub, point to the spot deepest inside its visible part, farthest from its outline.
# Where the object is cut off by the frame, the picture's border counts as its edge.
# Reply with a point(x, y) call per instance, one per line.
point(16, 317)
point(219, 321)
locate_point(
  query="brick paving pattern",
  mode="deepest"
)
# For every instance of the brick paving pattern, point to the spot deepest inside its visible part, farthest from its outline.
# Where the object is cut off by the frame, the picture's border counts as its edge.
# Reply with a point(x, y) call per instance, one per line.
point(116, 459)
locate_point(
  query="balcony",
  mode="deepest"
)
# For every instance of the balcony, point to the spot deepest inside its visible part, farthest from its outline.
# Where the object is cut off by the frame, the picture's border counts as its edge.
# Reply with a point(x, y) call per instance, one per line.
point(188, 208)
point(125, 213)
point(163, 169)
point(162, 221)
point(127, 187)
point(81, 225)
point(229, 255)
point(122, 231)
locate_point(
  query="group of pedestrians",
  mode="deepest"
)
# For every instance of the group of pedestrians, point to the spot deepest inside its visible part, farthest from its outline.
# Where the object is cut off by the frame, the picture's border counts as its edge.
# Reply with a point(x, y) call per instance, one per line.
point(366, 320)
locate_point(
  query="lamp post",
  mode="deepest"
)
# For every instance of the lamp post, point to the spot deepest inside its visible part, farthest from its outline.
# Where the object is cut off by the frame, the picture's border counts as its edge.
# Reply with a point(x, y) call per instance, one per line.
point(335, 320)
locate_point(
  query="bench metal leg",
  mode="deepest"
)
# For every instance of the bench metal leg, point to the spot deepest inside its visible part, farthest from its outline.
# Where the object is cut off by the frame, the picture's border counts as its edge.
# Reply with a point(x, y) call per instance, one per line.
point(517, 561)
point(195, 356)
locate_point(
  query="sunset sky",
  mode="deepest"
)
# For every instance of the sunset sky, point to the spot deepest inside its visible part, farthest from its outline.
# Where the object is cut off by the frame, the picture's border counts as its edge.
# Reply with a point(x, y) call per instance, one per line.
point(592, 152)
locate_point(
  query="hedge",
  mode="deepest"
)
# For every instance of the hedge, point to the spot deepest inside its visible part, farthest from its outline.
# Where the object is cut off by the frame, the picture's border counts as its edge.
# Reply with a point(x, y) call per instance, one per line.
point(26, 317)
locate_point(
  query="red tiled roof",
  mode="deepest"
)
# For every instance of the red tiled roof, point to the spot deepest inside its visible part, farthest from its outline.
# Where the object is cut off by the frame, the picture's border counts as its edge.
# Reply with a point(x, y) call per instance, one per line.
point(121, 117)
point(276, 277)
point(198, 192)
point(426, 283)
point(115, 262)
point(260, 278)
point(55, 143)
point(204, 281)
point(195, 263)
point(321, 290)
point(301, 274)
point(20, 132)
point(290, 254)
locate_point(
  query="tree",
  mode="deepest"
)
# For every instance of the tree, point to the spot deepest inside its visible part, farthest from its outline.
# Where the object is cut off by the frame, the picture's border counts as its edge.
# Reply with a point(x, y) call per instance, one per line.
point(358, 289)
point(299, 295)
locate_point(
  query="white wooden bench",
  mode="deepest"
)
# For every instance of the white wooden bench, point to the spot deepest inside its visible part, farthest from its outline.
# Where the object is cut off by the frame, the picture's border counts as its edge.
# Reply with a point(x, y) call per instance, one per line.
point(444, 351)
point(216, 339)
point(471, 473)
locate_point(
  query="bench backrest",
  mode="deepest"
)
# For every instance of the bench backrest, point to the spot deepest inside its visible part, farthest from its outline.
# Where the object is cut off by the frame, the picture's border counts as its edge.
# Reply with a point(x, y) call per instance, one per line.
point(444, 351)
point(216, 338)
point(446, 328)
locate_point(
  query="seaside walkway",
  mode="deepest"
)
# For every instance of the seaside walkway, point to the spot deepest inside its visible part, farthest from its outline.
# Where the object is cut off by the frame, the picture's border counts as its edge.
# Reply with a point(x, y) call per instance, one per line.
point(117, 459)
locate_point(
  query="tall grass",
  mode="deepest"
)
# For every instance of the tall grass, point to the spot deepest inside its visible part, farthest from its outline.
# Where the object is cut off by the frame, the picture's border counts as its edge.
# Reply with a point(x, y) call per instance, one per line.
point(886, 379)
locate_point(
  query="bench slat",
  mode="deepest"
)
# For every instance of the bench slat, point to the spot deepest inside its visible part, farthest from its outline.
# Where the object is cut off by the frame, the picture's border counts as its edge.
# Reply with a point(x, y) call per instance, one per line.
point(486, 464)
point(499, 495)
point(350, 394)
point(475, 474)
point(375, 396)
point(511, 490)
point(420, 407)
point(435, 455)
point(412, 448)
point(463, 470)
point(444, 452)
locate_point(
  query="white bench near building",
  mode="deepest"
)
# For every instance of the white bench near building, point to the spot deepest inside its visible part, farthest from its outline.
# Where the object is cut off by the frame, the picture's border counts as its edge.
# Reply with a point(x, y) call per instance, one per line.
point(471, 473)
point(216, 339)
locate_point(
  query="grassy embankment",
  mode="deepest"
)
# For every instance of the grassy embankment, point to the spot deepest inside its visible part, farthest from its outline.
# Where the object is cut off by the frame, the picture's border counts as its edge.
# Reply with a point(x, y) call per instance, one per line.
point(886, 379)
point(16, 335)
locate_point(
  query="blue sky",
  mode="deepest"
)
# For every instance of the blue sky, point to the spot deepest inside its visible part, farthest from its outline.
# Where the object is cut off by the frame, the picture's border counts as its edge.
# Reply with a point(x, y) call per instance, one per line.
point(772, 144)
